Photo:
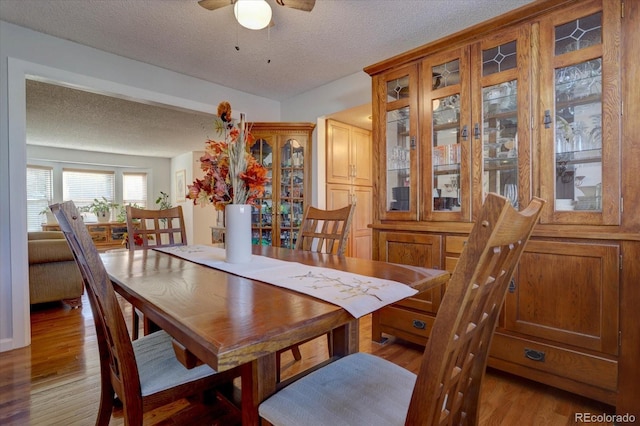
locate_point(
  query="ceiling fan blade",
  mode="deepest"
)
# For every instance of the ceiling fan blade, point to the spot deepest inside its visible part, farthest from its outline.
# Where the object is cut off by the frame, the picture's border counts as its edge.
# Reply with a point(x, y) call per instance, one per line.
point(306, 5)
point(214, 4)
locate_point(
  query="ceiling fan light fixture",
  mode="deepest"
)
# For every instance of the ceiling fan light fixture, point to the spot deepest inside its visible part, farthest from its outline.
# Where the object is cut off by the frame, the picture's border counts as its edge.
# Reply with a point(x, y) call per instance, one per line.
point(252, 14)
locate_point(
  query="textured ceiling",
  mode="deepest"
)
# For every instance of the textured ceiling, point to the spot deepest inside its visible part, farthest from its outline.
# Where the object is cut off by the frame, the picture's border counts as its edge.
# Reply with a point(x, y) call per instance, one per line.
point(303, 50)
point(69, 118)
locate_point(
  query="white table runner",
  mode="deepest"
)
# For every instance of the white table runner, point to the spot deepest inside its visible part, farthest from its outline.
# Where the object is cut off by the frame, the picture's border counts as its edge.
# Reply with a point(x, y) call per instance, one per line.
point(358, 294)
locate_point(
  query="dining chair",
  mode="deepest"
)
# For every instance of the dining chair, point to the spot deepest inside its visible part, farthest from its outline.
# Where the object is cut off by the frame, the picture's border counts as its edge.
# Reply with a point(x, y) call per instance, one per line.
point(144, 374)
point(362, 389)
point(325, 231)
point(322, 231)
point(155, 228)
point(149, 229)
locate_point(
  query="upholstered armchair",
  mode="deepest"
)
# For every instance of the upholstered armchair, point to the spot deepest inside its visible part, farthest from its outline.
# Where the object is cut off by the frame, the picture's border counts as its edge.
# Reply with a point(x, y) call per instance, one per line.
point(53, 273)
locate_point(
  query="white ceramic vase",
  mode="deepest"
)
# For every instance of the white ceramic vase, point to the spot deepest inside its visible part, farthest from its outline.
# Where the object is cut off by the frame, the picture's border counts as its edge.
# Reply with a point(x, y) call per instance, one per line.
point(237, 233)
point(103, 217)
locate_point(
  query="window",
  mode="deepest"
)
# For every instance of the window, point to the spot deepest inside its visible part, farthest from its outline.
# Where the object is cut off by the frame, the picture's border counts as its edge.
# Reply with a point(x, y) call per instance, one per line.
point(83, 186)
point(134, 189)
point(39, 195)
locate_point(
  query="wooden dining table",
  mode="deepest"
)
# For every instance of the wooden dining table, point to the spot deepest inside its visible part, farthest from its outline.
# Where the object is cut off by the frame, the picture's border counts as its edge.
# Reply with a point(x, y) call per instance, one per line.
point(229, 321)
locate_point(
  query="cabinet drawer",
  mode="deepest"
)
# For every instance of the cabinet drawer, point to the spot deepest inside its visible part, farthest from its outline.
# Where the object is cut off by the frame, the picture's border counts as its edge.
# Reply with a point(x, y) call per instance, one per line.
point(450, 263)
point(99, 234)
point(581, 367)
point(454, 244)
point(409, 325)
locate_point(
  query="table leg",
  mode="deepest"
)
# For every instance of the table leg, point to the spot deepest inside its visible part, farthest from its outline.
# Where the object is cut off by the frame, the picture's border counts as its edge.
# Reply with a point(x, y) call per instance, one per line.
point(258, 380)
point(345, 339)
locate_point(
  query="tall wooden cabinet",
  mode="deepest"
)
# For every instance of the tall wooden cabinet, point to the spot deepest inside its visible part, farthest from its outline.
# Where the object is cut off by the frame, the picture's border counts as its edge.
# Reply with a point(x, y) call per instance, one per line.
point(285, 150)
point(349, 181)
point(527, 104)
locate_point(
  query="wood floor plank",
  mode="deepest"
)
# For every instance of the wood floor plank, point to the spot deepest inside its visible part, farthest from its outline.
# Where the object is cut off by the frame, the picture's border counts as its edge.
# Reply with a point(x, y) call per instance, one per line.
point(56, 381)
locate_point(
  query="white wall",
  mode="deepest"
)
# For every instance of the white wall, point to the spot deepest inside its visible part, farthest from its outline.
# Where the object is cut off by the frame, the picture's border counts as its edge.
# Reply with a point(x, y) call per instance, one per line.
point(26, 53)
point(197, 219)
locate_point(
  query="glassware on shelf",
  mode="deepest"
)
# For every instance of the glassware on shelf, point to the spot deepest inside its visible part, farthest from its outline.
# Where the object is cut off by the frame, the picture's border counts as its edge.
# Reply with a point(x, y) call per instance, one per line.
point(564, 135)
point(500, 139)
point(398, 160)
point(500, 98)
point(511, 194)
point(595, 138)
point(446, 110)
point(578, 143)
point(446, 194)
point(591, 198)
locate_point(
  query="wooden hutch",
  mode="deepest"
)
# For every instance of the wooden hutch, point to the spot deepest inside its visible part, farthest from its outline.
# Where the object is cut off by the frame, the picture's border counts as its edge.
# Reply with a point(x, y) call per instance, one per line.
point(542, 101)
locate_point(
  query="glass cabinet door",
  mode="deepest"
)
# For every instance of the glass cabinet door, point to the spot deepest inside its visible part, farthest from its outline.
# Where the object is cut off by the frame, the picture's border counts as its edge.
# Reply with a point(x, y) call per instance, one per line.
point(291, 203)
point(448, 130)
point(580, 134)
point(398, 161)
point(262, 213)
point(502, 105)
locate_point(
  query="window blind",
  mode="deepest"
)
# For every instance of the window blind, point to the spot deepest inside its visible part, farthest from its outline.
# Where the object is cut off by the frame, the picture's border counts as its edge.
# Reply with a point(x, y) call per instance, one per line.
point(39, 195)
point(134, 189)
point(83, 186)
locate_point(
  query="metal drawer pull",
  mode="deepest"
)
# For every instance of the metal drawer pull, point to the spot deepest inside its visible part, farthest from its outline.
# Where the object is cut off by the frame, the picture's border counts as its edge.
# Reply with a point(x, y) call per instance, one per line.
point(420, 325)
point(534, 355)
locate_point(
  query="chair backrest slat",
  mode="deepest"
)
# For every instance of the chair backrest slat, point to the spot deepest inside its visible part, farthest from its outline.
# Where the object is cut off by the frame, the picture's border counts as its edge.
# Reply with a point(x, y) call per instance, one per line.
point(448, 385)
point(155, 228)
point(117, 359)
point(325, 230)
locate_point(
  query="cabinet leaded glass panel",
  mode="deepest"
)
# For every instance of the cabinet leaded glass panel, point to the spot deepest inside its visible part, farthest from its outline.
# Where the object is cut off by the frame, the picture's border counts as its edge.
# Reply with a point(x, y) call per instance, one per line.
point(446, 138)
point(398, 89)
point(500, 125)
point(578, 121)
point(499, 58)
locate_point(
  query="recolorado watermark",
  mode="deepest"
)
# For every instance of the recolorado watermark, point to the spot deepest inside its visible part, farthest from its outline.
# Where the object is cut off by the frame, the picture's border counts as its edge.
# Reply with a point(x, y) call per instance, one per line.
point(603, 418)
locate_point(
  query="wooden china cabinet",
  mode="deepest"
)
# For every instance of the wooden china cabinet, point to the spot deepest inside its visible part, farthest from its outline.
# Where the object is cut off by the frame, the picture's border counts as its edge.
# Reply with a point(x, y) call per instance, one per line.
point(285, 150)
point(527, 104)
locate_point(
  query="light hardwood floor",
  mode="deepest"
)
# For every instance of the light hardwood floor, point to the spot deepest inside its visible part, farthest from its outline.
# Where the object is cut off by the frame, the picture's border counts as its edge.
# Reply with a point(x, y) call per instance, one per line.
point(55, 381)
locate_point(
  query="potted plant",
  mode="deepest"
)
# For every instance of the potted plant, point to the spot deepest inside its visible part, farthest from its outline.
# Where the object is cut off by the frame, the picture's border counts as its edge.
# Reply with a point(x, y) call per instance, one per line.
point(163, 201)
point(121, 216)
point(100, 208)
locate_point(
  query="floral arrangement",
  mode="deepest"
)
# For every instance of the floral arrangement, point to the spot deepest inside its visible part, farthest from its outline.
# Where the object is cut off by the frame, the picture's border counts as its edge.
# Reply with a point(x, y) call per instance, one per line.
point(232, 174)
point(137, 239)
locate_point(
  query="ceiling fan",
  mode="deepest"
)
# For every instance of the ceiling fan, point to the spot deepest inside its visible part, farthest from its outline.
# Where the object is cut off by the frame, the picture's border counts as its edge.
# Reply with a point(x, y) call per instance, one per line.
point(253, 14)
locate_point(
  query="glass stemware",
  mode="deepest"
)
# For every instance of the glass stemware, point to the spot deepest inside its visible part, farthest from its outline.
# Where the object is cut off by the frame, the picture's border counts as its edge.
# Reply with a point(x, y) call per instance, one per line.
point(511, 194)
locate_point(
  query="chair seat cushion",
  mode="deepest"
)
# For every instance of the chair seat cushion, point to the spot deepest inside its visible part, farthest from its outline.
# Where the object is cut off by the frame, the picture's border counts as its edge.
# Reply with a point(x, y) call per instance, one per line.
point(158, 367)
point(359, 389)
